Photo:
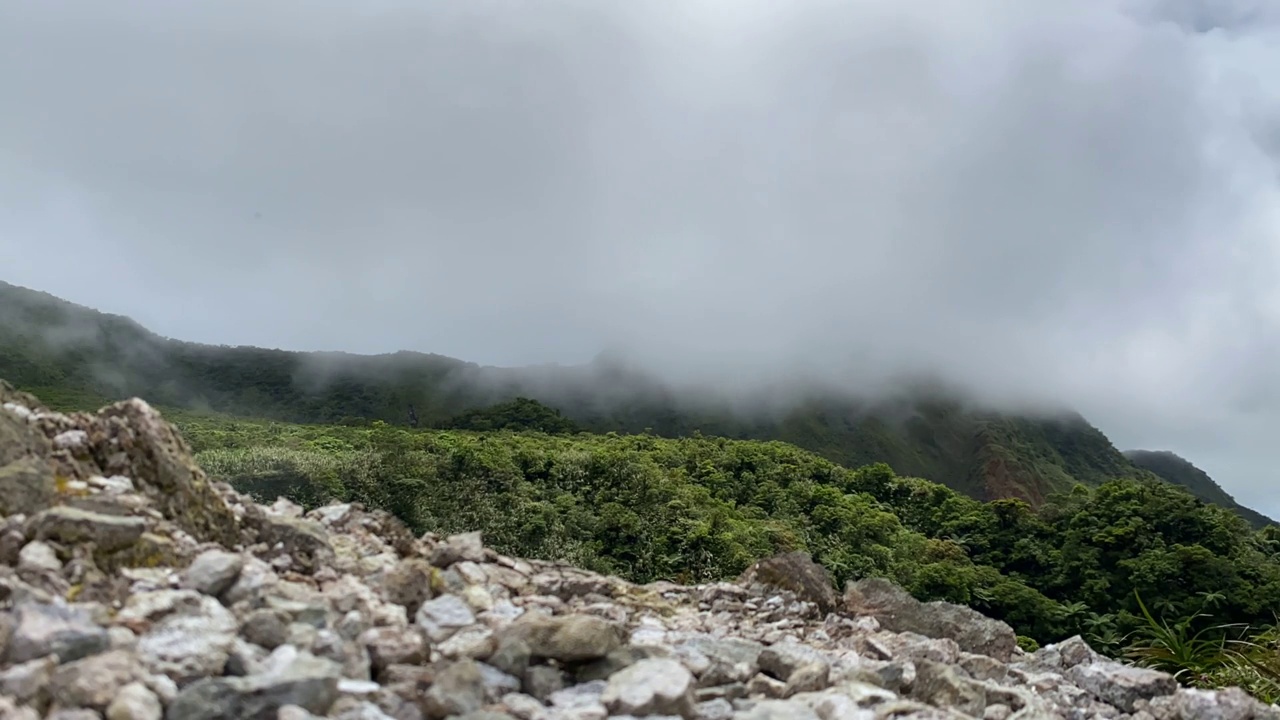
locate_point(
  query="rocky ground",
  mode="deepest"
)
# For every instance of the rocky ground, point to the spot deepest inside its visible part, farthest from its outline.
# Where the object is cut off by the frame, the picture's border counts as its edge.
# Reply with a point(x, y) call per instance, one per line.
point(134, 588)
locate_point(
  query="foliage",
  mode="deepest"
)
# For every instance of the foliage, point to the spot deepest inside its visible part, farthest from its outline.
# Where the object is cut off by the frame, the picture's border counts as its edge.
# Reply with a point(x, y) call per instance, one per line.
point(1210, 656)
point(519, 414)
point(77, 358)
point(1171, 468)
point(700, 508)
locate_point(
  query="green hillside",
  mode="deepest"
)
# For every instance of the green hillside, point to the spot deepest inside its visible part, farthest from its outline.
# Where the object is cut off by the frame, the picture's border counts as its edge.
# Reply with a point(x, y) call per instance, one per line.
point(76, 357)
point(701, 508)
point(1172, 468)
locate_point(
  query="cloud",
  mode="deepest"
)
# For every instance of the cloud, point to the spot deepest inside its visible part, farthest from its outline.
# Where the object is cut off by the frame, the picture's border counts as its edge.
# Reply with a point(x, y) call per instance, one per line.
point(1062, 200)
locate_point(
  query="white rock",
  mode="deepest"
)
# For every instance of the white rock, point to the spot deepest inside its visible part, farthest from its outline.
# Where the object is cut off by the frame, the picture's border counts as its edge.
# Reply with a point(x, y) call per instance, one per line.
point(653, 686)
point(71, 440)
point(39, 557)
point(135, 701)
point(444, 616)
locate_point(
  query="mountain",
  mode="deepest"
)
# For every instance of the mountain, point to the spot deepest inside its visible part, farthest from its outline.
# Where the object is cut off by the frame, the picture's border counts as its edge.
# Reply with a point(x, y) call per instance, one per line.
point(77, 357)
point(1179, 471)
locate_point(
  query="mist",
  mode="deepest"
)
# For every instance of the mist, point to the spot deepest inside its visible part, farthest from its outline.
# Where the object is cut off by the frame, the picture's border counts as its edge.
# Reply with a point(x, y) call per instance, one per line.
point(1050, 204)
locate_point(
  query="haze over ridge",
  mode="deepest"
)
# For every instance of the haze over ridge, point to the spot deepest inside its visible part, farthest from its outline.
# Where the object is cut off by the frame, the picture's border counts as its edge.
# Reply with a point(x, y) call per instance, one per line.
point(1071, 202)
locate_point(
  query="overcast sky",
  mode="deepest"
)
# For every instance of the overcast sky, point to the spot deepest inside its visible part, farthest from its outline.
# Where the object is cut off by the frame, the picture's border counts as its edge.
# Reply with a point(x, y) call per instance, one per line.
point(1075, 200)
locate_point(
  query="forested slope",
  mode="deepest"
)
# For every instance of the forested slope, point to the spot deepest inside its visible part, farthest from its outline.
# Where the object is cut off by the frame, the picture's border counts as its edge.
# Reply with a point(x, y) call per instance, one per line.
point(76, 357)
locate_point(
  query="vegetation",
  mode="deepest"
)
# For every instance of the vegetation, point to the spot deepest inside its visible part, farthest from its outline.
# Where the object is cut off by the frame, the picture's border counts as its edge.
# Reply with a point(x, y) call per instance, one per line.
point(75, 357)
point(1171, 468)
point(519, 414)
point(1090, 561)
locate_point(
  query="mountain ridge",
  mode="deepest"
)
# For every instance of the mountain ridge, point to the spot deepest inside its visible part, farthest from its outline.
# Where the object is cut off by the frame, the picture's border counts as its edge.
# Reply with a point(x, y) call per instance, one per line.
point(76, 356)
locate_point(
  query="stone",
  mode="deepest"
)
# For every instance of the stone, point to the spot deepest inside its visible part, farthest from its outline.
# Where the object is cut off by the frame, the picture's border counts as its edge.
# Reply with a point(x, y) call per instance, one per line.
point(542, 681)
point(1122, 685)
point(458, 690)
point(266, 628)
point(154, 455)
point(213, 572)
point(897, 611)
point(511, 655)
point(653, 686)
point(28, 683)
point(941, 686)
point(566, 638)
point(475, 642)
point(305, 541)
point(457, 548)
point(810, 677)
point(443, 616)
point(293, 678)
point(778, 710)
point(27, 484)
point(70, 526)
point(66, 631)
point(798, 573)
point(93, 682)
point(37, 556)
point(135, 701)
point(194, 641)
point(408, 583)
point(391, 646)
point(782, 659)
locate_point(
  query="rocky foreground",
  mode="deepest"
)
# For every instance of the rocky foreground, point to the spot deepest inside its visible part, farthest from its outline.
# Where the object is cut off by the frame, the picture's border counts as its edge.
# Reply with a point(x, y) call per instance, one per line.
point(134, 588)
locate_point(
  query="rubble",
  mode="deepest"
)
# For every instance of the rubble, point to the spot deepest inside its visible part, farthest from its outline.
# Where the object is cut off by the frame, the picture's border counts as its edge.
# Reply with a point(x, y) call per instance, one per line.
point(133, 587)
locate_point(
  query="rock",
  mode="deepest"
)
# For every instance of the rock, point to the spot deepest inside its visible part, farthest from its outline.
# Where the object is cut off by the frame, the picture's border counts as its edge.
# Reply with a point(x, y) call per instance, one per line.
point(543, 681)
point(135, 701)
point(66, 631)
point(1227, 704)
point(566, 638)
point(616, 661)
point(940, 685)
point(511, 656)
point(38, 556)
point(797, 573)
point(408, 583)
point(304, 541)
point(654, 686)
point(782, 659)
point(71, 526)
point(810, 677)
point(464, 547)
point(140, 445)
point(458, 690)
point(193, 641)
point(444, 616)
point(94, 681)
point(213, 572)
point(293, 678)
point(266, 628)
point(497, 684)
point(474, 642)
point(717, 709)
point(778, 710)
point(73, 714)
point(28, 682)
point(392, 646)
point(27, 484)
point(1122, 685)
point(897, 611)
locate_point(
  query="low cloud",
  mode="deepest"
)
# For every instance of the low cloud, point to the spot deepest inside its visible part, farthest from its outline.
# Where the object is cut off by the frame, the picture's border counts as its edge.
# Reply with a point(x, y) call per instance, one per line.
point(1057, 201)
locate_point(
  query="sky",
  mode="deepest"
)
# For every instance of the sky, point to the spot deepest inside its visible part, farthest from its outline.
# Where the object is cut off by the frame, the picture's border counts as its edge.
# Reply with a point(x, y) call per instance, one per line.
point(1061, 200)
